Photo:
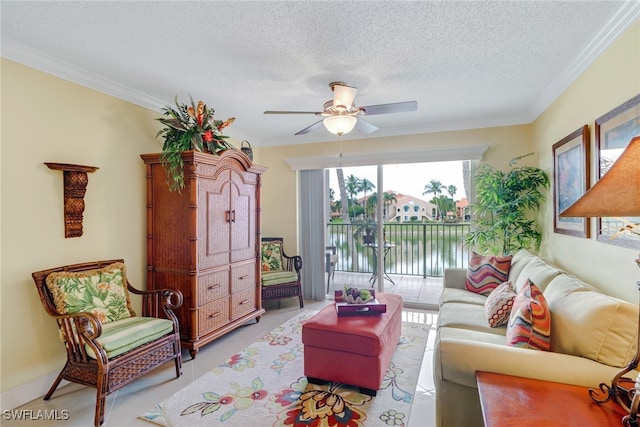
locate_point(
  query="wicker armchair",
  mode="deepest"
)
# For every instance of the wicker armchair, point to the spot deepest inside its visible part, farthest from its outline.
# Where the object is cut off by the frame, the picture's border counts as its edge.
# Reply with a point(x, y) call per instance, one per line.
point(280, 276)
point(108, 346)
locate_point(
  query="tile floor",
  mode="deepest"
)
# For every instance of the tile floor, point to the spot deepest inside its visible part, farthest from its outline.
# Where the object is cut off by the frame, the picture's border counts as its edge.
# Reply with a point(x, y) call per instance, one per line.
point(124, 406)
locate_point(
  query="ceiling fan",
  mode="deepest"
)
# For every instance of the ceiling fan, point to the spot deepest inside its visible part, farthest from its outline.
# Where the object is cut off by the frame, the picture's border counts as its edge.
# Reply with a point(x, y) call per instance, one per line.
point(341, 115)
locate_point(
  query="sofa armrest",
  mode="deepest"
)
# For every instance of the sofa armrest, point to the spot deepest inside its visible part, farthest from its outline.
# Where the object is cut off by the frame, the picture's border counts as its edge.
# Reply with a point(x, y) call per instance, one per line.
point(454, 278)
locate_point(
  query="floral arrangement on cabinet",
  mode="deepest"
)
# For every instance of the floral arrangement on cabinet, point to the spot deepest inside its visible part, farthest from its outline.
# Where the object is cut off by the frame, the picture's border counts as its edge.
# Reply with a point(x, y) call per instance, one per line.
point(189, 127)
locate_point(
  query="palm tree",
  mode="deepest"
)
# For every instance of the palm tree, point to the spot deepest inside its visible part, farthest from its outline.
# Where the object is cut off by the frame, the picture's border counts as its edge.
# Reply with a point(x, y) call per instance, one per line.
point(434, 186)
point(366, 185)
point(336, 207)
point(344, 204)
point(344, 201)
point(389, 199)
point(372, 202)
point(353, 188)
point(452, 190)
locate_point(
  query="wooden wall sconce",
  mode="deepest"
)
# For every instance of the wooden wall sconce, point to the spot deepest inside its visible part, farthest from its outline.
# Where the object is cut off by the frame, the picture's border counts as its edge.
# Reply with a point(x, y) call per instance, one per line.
point(75, 182)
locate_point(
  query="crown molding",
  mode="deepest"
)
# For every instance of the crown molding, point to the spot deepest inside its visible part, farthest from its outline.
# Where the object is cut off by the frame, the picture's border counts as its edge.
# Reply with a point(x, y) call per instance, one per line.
point(40, 61)
point(618, 23)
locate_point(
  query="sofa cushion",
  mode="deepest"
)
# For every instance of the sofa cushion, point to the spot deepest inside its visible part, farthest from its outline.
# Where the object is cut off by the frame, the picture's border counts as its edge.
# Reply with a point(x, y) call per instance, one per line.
point(101, 292)
point(590, 324)
point(538, 272)
point(271, 255)
point(276, 277)
point(529, 324)
point(485, 273)
point(466, 316)
point(518, 263)
point(461, 295)
point(499, 303)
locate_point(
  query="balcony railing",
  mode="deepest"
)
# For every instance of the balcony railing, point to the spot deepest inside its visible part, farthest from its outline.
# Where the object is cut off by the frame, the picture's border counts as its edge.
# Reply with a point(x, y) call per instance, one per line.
point(419, 249)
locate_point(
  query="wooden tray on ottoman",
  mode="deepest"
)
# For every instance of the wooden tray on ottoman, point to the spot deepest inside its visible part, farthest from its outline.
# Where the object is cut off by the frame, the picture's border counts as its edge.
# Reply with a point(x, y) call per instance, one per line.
point(345, 309)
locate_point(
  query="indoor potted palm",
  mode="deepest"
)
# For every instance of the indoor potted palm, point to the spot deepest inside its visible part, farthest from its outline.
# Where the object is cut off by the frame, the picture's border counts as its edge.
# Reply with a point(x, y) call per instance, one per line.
point(189, 127)
point(505, 205)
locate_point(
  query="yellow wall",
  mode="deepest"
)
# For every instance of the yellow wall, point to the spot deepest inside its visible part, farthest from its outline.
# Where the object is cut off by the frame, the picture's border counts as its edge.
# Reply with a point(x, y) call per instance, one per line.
point(610, 81)
point(46, 119)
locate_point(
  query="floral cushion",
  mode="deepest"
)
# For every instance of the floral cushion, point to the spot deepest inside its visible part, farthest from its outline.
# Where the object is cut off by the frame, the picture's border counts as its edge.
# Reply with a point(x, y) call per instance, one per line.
point(499, 303)
point(271, 255)
point(102, 292)
point(529, 324)
point(485, 273)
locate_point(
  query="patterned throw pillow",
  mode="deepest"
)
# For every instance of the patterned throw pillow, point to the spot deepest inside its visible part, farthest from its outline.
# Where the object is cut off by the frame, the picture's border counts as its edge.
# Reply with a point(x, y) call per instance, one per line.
point(529, 324)
point(271, 255)
point(485, 273)
point(102, 292)
point(499, 303)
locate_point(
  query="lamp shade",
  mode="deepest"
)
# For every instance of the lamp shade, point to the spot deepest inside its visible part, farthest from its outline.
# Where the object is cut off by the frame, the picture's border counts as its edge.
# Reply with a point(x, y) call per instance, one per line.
point(617, 193)
point(340, 125)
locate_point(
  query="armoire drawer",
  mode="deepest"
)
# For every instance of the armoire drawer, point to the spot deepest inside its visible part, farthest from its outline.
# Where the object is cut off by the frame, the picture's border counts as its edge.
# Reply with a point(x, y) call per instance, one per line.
point(212, 286)
point(213, 315)
point(243, 276)
point(243, 302)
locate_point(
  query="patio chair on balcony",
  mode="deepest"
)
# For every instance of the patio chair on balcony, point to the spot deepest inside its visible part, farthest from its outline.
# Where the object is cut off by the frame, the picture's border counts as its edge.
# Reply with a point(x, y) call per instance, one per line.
point(331, 259)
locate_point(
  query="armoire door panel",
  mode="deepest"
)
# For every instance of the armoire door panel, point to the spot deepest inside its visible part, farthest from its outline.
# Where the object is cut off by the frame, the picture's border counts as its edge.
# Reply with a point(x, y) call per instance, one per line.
point(214, 238)
point(243, 234)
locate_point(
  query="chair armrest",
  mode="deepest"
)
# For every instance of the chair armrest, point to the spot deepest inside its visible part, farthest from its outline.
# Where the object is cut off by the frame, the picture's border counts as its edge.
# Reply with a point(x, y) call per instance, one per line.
point(156, 299)
point(292, 262)
point(166, 294)
point(297, 263)
point(80, 329)
point(83, 323)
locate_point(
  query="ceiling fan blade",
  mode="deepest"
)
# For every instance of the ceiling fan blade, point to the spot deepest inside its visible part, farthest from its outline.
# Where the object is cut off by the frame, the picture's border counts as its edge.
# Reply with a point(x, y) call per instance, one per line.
point(365, 127)
point(398, 107)
point(343, 95)
point(308, 129)
point(293, 112)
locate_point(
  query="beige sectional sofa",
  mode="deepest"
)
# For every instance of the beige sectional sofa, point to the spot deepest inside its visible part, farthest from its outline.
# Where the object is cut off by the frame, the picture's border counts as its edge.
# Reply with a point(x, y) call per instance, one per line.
point(593, 335)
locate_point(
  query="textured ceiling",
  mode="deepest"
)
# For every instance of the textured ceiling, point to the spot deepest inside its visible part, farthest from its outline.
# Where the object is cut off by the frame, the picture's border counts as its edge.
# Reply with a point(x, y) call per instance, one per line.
point(467, 64)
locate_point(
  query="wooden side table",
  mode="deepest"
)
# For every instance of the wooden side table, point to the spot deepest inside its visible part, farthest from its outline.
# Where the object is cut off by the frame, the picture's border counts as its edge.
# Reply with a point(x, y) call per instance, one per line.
point(509, 401)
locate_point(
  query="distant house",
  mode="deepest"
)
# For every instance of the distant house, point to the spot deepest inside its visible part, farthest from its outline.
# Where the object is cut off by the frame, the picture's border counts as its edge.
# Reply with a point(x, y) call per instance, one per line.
point(409, 208)
point(463, 210)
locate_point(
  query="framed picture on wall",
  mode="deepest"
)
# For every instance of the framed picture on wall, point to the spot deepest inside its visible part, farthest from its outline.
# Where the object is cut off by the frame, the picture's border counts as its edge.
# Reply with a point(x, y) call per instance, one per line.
point(614, 131)
point(570, 180)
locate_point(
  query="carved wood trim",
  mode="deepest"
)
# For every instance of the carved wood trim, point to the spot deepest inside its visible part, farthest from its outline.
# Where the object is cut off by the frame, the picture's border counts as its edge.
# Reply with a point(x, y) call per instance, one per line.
point(75, 182)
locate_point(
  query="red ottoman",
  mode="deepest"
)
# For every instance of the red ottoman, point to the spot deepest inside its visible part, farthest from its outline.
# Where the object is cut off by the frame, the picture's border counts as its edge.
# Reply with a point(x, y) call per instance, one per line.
point(353, 350)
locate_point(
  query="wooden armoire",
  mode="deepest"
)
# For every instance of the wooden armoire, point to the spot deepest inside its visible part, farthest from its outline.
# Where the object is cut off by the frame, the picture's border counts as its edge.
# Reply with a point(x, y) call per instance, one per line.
point(205, 241)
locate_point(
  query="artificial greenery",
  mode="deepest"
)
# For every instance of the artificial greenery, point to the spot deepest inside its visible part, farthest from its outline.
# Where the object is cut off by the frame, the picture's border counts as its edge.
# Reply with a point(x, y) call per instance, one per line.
point(189, 127)
point(505, 203)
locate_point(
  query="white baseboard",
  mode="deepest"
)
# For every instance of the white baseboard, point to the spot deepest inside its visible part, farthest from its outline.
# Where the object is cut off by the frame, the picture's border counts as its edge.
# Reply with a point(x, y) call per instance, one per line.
point(24, 393)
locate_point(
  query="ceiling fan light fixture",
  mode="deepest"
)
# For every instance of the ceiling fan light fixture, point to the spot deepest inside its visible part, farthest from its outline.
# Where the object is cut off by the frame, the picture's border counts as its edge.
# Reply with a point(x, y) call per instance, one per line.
point(340, 125)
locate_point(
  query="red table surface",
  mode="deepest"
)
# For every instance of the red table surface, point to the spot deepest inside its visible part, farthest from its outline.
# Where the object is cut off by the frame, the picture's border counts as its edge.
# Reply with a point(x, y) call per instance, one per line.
point(509, 401)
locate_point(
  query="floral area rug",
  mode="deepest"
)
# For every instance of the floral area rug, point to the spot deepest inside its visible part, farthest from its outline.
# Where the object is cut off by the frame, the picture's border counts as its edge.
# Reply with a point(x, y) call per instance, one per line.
point(264, 385)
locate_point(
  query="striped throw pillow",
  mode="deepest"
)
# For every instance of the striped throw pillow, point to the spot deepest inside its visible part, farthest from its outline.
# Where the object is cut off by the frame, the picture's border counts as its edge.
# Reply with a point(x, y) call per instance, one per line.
point(485, 273)
point(529, 324)
point(499, 303)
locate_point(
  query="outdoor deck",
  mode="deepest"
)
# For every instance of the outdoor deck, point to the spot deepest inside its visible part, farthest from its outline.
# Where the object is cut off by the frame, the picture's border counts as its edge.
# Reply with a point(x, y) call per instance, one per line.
point(416, 291)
